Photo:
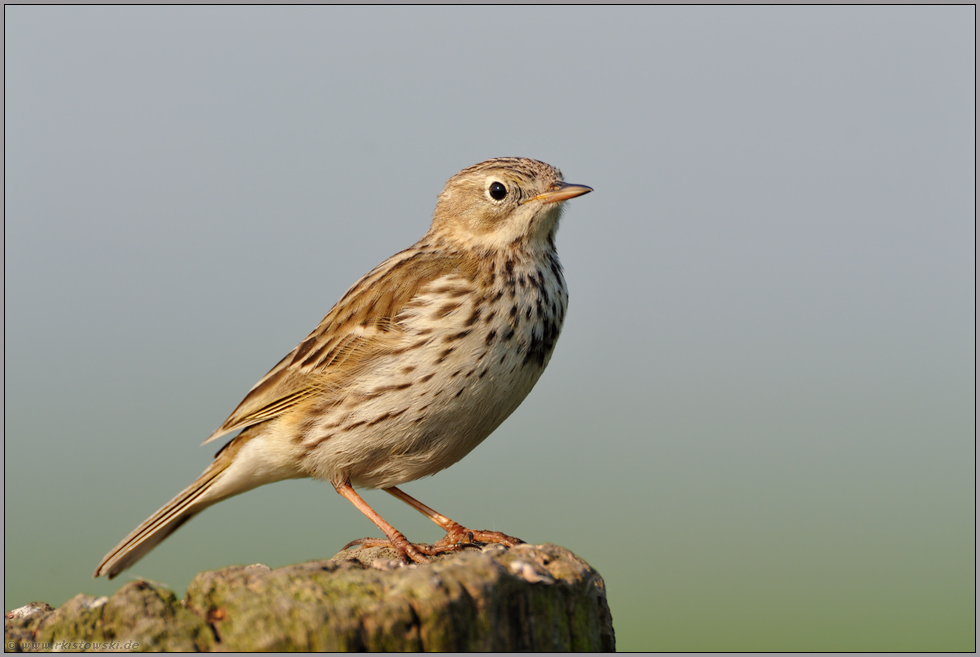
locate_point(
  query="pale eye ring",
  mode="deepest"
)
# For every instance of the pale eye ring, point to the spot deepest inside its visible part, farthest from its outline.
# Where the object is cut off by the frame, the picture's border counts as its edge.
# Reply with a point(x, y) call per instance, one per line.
point(497, 190)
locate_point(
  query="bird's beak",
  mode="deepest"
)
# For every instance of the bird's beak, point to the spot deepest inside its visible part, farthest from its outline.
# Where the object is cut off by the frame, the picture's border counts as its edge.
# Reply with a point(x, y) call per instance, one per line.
point(561, 191)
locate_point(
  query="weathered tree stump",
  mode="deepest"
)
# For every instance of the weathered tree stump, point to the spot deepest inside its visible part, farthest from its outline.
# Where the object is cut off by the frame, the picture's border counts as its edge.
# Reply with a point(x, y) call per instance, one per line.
point(532, 597)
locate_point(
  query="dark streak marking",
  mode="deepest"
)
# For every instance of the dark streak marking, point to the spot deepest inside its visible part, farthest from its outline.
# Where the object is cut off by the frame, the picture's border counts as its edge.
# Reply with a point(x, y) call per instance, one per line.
point(448, 308)
point(354, 426)
point(304, 347)
point(472, 318)
point(456, 336)
point(377, 392)
point(387, 416)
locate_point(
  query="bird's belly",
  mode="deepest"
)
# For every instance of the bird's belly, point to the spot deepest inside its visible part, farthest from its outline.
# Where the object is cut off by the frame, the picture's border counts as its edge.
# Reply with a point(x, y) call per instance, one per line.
point(419, 415)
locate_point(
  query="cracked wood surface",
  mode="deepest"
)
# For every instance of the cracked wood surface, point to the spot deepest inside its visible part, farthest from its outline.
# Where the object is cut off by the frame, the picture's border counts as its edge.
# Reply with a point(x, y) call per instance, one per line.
point(529, 597)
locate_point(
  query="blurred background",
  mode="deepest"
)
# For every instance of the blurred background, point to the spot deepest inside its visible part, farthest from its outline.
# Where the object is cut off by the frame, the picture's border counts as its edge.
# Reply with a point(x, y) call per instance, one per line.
point(758, 424)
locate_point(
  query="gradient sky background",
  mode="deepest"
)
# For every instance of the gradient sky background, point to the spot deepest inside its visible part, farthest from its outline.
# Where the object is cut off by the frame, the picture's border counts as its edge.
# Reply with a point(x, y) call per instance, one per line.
point(758, 424)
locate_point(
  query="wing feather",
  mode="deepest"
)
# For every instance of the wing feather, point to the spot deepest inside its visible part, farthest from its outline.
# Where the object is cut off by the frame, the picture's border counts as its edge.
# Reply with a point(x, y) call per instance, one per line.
point(360, 328)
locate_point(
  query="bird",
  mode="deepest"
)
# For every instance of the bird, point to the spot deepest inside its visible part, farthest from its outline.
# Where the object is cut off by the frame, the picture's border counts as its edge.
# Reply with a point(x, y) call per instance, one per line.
point(419, 361)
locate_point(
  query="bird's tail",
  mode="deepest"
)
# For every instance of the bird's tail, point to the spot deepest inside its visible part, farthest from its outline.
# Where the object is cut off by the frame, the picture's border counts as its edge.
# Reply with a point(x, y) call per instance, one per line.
point(214, 485)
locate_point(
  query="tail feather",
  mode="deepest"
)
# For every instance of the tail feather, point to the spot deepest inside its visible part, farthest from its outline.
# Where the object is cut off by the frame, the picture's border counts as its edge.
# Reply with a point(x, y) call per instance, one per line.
point(188, 503)
point(239, 466)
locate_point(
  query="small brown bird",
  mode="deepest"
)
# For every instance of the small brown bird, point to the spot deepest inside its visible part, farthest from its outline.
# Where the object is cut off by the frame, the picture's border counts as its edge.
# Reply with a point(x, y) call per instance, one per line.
point(418, 362)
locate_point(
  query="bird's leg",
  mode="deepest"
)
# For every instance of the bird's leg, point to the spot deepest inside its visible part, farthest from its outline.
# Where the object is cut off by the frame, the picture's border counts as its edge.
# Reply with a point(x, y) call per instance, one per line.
point(456, 535)
point(395, 540)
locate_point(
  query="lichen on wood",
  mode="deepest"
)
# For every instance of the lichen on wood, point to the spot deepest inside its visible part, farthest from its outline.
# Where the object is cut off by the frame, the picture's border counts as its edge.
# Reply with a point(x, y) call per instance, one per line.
point(537, 598)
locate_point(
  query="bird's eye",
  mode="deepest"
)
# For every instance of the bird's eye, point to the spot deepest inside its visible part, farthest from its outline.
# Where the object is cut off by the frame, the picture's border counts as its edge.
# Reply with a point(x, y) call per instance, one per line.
point(497, 191)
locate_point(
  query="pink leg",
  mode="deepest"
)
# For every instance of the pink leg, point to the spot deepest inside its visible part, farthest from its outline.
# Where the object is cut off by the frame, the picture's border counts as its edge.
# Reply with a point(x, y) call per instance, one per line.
point(456, 534)
point(396, 539)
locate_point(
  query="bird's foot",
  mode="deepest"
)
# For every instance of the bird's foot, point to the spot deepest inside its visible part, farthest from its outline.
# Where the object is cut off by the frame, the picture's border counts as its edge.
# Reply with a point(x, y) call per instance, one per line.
point(411, 552)
point(457, 537)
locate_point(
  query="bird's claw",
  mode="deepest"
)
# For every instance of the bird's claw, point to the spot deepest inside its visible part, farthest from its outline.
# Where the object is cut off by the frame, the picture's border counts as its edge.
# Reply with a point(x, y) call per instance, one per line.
point(459, 535)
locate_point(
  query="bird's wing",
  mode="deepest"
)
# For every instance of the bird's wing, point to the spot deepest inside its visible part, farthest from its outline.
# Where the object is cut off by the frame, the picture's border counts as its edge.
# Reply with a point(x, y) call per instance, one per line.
point(359, 329)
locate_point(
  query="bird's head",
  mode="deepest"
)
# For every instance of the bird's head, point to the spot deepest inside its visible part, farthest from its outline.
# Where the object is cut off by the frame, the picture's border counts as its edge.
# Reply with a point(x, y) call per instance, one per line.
point(504, 202)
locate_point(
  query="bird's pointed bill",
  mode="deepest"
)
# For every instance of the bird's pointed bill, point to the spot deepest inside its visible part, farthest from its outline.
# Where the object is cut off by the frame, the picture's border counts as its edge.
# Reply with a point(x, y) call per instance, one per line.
point(562, 192)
